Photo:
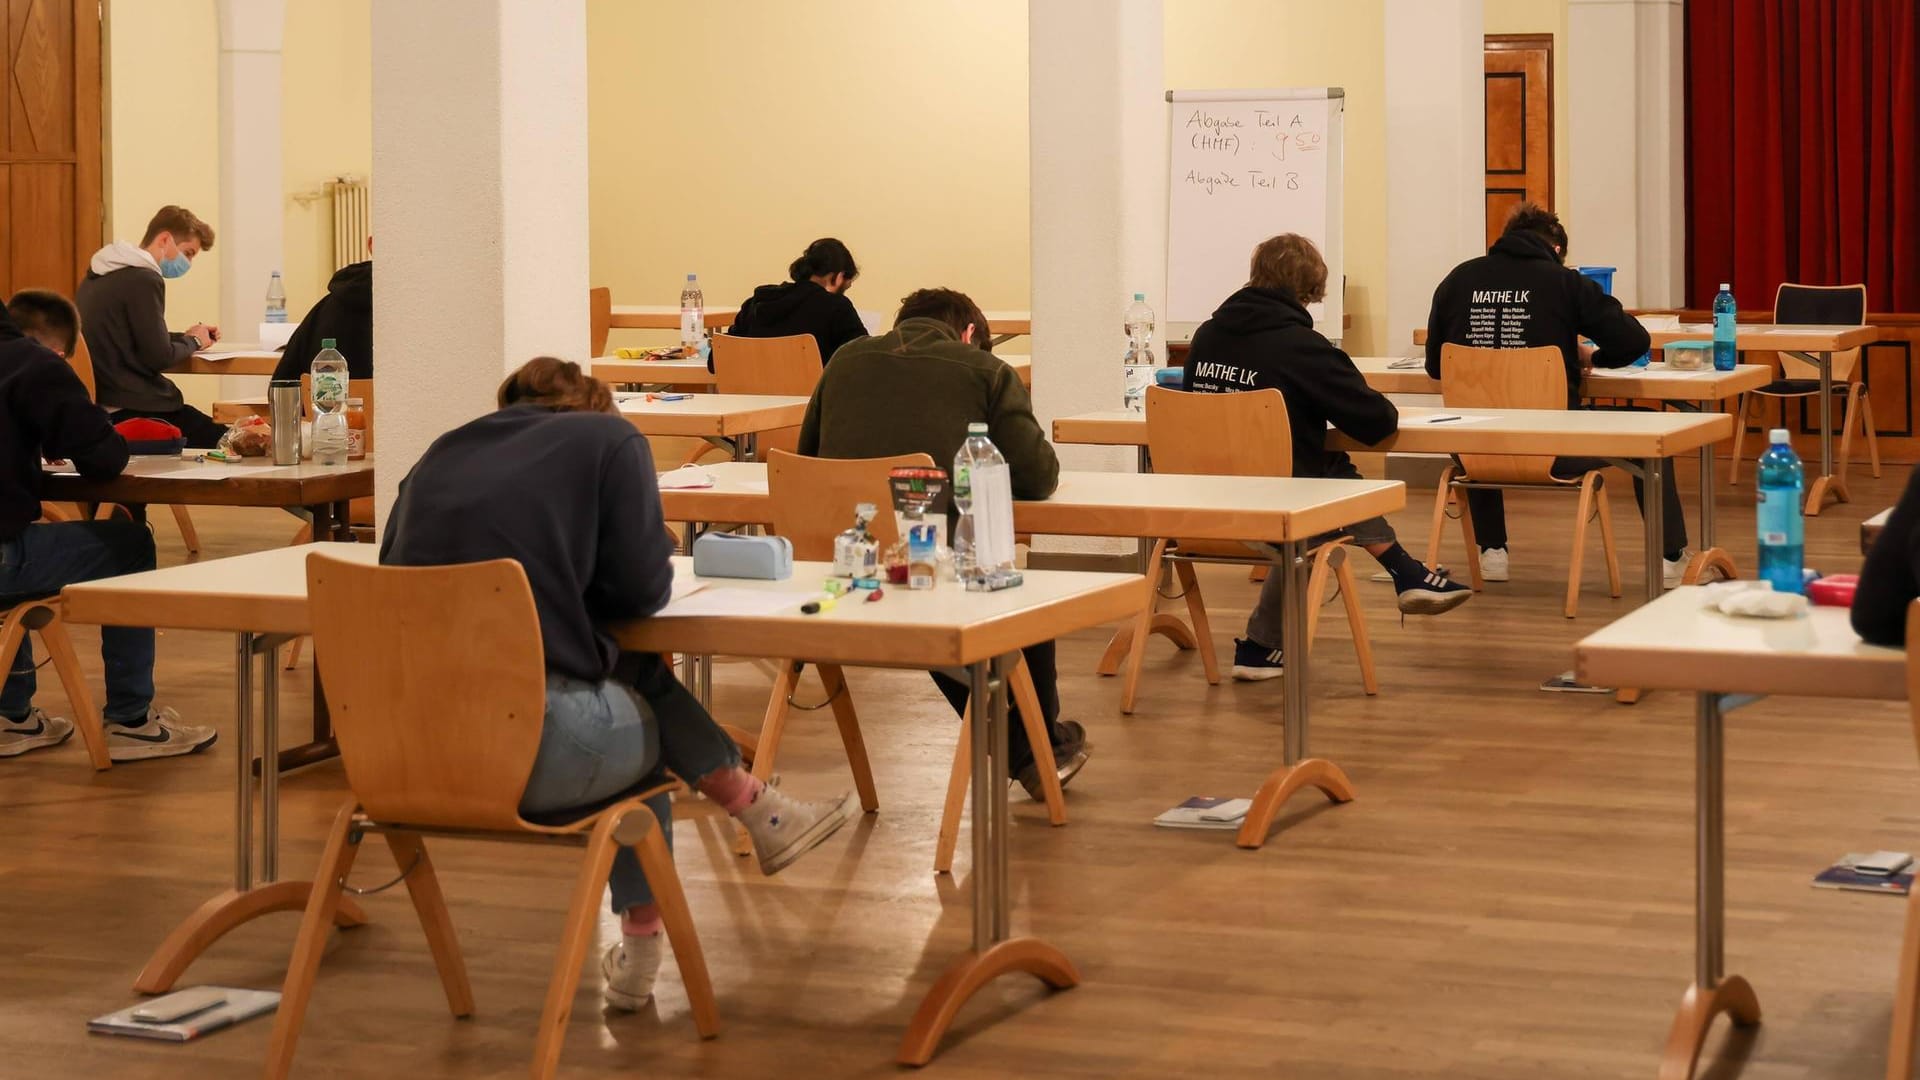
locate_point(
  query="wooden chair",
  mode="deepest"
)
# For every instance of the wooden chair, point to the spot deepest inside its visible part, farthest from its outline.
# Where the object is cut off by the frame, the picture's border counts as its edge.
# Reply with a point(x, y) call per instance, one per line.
point(43, 618)
point(438, 690)
point(811, 501)
point(82, 363)
point(782, 365)
point(599, 320)
point(1906, 1000)
point(1516, 379)
point(1243, 434)
point(1830, 305)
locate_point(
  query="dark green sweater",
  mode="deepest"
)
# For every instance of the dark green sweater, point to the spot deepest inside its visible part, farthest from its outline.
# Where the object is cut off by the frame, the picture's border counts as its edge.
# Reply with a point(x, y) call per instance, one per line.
point(915, 390)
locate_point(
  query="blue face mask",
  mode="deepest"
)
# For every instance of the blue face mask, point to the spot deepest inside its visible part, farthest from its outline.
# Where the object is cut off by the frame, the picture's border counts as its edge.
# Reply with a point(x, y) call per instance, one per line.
point(176, 267)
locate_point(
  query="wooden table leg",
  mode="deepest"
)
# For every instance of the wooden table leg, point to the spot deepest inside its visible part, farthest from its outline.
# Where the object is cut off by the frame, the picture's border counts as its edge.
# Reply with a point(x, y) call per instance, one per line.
point(1732, 996)
point(220, 914)
point(967, 975)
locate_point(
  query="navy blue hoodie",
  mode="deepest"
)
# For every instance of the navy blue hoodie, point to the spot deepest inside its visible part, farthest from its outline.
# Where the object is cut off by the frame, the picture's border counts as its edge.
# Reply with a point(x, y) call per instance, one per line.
point(45, 413)
point(799, 307)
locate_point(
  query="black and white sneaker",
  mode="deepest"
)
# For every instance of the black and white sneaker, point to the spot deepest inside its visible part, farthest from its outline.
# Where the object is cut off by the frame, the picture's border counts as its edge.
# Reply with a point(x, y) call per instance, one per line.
point(163, 735)
point(1434, 595)
point(32, 732)
point(1254, 662)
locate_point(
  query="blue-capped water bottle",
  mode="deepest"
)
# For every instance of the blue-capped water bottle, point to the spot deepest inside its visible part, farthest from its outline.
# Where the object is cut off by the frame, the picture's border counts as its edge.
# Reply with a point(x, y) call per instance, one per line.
point(1781, 528)
point(1725, 355)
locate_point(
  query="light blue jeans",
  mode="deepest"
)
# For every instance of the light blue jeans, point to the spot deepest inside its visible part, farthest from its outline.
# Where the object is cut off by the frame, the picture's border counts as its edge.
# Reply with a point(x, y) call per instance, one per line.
point(603, 738)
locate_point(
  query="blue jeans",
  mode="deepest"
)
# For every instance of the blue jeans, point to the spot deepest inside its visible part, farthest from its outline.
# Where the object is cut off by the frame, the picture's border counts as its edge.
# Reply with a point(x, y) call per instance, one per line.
point(43, 559)
point(604, 738)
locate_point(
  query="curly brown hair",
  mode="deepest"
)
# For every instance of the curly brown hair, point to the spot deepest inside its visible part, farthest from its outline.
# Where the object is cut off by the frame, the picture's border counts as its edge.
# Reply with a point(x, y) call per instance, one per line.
point(557, 384)
point(1291, 262)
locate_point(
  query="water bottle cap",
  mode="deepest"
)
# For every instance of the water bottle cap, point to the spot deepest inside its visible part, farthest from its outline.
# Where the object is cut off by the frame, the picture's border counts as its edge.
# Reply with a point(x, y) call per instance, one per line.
point(1778, 436)
point(325, 343)
point(1140, 297)
point(693, 277)
point(1726, 287)
point(976, 429)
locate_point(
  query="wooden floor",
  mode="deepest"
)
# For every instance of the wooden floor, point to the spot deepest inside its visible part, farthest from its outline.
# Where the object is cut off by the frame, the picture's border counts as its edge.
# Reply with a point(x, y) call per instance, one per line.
point(1510, 896)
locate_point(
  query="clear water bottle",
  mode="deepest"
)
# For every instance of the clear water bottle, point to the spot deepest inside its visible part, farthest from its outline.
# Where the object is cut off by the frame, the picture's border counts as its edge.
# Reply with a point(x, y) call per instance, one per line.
point(1781, 528)
point(1139, 360)
point(329, 379)
point(986, 511)
point(1725, 355)
point(276, 299)
point(693, 323)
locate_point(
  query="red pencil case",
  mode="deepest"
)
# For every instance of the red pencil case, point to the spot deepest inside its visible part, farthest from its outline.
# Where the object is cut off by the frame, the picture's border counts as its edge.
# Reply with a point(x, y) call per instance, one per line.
point(1835, 590)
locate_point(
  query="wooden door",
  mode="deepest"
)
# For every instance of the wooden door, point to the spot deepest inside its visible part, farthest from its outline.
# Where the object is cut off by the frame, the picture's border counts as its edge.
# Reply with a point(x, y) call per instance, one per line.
point(49, 144)
point(1519, 94)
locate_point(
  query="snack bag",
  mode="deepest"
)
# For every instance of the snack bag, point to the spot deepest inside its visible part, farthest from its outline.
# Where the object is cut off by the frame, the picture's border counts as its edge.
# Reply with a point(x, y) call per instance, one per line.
point(251, 436)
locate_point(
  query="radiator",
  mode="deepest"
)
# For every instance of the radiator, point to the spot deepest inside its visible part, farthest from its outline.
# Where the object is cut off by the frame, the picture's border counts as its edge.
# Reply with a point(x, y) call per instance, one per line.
point(352, 219)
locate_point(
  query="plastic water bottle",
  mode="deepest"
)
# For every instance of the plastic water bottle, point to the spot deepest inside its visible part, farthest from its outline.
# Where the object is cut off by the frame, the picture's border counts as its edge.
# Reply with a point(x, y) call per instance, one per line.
point(329, 378)
point(985, 528)
point(1139, 360)
point(276, 299)
point(1781, 528)
point(693, 324)
point(1725, 356)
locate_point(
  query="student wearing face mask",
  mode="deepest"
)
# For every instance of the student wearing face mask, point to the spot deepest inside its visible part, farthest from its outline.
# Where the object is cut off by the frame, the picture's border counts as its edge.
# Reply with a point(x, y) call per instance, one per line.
point(123, 312)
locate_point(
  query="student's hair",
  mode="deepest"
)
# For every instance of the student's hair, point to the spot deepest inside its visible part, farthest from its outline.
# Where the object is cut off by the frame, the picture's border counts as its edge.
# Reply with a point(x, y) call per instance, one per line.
point(181, 223)
point(1530, 217)
point(1291, 262)
point(949, 306)
point(557, 384)
point(824, 257)
point(46, 317)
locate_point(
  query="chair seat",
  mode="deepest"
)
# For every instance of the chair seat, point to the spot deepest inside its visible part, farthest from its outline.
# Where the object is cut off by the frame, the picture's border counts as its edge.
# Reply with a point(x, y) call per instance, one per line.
point(1797, 388)
point(579, 817)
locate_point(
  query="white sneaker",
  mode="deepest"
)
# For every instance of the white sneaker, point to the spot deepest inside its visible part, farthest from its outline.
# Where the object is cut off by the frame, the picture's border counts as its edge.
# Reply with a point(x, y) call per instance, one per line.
point(1493, 564)
point(1674, 571)
point(783, 828)
point(630, 967)
point(34, 731)
point(163, 735)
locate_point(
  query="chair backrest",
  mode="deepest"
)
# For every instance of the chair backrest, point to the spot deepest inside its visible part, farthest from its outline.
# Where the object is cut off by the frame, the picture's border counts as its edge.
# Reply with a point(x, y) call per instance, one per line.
point(437, 685)
point(1242, 434)
point(356, 388)
point(812, 499)
point(1534, 378)
point(82, 363)
point(1822, 305)
point(780, 365)
point(599, 320)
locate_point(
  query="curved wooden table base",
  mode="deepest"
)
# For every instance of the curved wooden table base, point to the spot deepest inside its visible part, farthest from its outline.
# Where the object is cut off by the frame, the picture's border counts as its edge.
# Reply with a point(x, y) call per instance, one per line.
point(220, 914)
point(1714, 559)
point(1734, 996)
point(967, 975)
point(1281, 786)
point(1821, 489)
point(1166, 624)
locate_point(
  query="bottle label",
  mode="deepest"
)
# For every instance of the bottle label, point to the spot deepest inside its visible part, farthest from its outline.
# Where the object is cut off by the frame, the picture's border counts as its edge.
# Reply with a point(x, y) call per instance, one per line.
point(329, 390)
point(1779, 520)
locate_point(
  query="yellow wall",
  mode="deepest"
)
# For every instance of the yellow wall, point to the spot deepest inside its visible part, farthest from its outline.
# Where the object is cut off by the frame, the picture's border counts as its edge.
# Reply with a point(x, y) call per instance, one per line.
point(326, 131)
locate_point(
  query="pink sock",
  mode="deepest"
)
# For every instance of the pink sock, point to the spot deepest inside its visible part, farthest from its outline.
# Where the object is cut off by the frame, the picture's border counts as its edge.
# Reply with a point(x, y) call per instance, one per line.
point(734, 789)
point(641, 920)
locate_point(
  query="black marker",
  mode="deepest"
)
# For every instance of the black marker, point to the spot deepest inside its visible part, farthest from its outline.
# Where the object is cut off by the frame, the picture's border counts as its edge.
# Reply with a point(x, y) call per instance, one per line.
point(1443, 419)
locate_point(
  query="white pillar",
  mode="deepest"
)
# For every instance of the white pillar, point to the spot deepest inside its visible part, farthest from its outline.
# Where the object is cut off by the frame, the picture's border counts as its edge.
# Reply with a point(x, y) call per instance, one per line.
point(1436, 152)
point(1098, 149)
point(480, 146)
point(1625, 197)
point(250, 224)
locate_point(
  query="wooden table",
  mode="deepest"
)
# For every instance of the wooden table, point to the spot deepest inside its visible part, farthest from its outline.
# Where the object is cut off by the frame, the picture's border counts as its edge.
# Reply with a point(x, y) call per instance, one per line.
point(322, 490)
point(1675, 643)
point(666, 317)
point(1008, 324)
point(693, 372)
point(1636, 441)
point(726, 420)
point(262, 599)
point(1814, 345)
point(1655, 382)
point(226, 358)
point(1870, 529)
point(1277, 515)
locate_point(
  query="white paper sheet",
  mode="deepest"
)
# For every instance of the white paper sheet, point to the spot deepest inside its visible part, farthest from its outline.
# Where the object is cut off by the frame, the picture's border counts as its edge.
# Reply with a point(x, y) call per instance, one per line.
point(65, 468)
point(1442, 420)
point(686, 478)
point(1651, 371)
point(685, 585)
point(721, 600)
point(227, 354)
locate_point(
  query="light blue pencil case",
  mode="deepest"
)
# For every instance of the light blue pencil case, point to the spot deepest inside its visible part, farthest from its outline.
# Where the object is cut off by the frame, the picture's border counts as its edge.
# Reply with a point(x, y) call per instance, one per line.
point(763, 558)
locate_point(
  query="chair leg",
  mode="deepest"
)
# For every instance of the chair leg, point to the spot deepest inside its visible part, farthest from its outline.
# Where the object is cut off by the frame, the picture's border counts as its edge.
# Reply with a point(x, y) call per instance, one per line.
point(1142, 629)
point(293, 653)
point(86, 716)
point(834, 681)
point(1607, 547)
point(957, 780)
point(423, 887)
point(657, 863)
point(1357, 622)
point(188, 534)
point(1742, 405)
point(575, 935)
point(1873, 439)
point(336, 859)
point(1441, 495)
point(1197, 614)
point(1848, 419)
point(764, 750)
point(1473, 544)
point(1576, 564)
point(1020, 687)
point(1906, 1001)
point(1322, 557)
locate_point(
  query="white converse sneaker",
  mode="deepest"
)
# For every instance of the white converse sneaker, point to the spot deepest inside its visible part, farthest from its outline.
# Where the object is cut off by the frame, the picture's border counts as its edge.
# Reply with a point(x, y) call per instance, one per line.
point(1493, 564)
point(630, 967)
point(1674, 571)
point(34, 731)
point(783, 828)
point(163, 735)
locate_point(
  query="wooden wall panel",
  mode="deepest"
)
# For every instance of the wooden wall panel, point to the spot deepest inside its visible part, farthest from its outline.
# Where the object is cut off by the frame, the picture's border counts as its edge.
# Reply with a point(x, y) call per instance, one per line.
point(50, 151)
point(40, 93)
point(42, 199)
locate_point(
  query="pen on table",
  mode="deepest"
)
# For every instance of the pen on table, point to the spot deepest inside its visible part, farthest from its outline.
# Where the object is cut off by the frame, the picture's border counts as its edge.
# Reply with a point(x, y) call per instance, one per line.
point(1443, 419)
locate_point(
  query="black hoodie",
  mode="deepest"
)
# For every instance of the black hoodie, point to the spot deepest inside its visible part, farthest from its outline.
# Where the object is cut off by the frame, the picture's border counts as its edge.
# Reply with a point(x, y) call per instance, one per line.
point(1519, 296)
point(1263, 338)
point(345, 314)
point(45, 413)
point(799, 307)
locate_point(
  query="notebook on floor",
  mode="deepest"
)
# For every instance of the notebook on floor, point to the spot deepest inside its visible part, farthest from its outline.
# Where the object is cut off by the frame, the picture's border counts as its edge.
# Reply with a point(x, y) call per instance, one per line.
point(239, 1005)
point(1206, 812)
point(1843, 875)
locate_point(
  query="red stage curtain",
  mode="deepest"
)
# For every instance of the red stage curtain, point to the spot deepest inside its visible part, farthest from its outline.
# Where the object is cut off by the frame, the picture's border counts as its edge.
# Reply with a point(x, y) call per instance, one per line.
point(1803, 148)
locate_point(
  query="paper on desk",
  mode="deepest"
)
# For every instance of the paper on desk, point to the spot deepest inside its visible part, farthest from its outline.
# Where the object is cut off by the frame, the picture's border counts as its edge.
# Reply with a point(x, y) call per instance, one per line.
point(1651, 371)
point(685, 585)
point(720, 600)
point(1408, 363)
point(754, 487)
point(686, 478)
point(209, 470)
point(1442, 420)
point(226, 354)
point(65, 468)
